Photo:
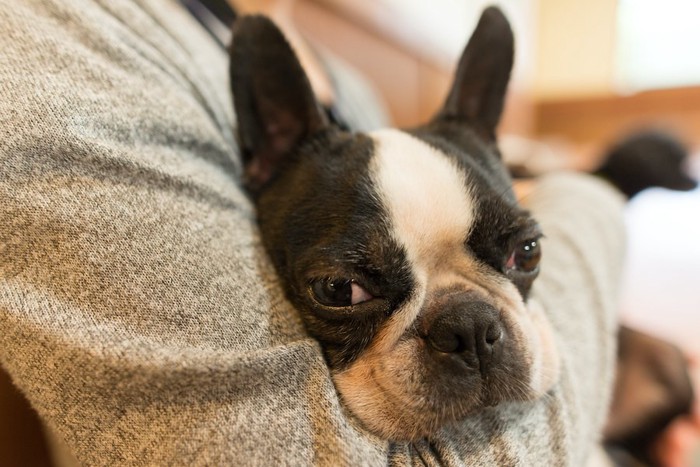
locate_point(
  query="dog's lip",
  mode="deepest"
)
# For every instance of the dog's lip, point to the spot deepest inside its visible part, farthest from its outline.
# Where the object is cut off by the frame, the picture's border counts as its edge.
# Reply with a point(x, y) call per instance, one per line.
point(403, 405)
point(464, 365)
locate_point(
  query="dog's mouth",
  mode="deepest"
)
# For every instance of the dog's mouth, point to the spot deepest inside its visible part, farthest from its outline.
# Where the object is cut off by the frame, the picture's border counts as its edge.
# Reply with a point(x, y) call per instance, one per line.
point(413, 403)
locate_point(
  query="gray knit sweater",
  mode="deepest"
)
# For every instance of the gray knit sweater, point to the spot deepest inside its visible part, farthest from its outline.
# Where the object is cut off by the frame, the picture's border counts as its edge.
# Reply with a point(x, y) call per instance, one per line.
point(138, 311)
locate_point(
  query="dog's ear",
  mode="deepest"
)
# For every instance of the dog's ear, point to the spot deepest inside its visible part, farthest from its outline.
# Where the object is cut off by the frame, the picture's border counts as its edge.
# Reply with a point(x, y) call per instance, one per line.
point(275, 105)
point(478, 92)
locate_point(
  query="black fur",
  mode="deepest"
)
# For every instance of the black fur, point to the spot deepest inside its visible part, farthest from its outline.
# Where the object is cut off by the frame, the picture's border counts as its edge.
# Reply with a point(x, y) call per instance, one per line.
point(483, 74)
point(277, 119)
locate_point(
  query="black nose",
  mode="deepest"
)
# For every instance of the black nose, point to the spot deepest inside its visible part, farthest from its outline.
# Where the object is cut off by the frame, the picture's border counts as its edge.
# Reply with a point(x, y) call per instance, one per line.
point(471, 329)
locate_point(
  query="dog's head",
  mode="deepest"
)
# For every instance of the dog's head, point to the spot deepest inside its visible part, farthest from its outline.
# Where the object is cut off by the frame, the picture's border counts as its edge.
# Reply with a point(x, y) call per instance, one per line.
point(405, 251)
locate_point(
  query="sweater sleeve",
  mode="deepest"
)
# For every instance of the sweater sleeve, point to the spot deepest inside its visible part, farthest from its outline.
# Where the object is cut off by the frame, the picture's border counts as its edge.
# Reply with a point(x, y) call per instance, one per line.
point(139, 313)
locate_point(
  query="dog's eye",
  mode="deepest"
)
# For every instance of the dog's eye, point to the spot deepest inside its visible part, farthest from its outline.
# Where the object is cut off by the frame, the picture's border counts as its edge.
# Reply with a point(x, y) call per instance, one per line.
point(339, 292)
point(525, 257)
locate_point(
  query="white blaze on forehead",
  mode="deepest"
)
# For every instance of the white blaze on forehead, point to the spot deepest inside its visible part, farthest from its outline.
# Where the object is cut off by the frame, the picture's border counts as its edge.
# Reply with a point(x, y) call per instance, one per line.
point(431, 213)
point(425, 194)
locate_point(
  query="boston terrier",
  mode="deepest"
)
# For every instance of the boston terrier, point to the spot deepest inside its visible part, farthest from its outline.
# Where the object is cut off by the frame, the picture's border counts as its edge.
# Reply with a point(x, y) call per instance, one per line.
point(405, 251)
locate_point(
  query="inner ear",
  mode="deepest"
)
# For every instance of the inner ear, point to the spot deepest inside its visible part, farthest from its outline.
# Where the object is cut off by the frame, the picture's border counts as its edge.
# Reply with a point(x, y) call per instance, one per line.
point(478, 92)
point(274, 103)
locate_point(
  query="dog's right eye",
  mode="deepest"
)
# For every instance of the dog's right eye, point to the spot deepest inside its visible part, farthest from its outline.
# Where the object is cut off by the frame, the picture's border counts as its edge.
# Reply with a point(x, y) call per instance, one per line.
point(526, 257)
point(339, 292)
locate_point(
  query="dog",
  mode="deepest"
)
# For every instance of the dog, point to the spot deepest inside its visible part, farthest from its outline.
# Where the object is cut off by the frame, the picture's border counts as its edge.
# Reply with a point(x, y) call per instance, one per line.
point(405, 251)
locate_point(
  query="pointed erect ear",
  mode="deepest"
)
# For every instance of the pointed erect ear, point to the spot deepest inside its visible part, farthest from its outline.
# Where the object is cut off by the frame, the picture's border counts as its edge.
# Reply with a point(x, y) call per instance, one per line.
point(480, 83)
point(275, 105)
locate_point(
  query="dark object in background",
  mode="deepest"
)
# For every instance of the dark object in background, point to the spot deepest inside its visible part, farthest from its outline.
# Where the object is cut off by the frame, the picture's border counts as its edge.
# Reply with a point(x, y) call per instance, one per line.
point(652, 388)
point(647, 159)
point(22, 440)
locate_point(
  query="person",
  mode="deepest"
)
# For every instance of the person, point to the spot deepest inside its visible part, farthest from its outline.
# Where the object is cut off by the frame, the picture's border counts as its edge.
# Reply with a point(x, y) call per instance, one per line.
point(140, 314)
point(679, 444)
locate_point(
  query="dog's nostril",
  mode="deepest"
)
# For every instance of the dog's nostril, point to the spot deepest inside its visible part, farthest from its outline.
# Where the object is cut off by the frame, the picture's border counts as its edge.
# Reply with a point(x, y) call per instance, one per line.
point(446, 340)
point(489, 345)
point(493, 334)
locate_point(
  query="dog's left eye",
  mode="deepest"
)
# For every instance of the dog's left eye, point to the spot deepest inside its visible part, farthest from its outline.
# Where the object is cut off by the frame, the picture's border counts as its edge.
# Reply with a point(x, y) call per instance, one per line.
point(339, 292)
point(525, 257)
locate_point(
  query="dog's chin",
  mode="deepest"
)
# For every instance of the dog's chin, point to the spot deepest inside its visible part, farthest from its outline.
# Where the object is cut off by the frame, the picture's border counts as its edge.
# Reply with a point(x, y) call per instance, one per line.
point(411, 393)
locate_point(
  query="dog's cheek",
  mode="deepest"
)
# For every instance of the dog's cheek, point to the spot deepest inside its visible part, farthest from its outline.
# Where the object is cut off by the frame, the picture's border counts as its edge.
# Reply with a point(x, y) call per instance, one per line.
point(532, 351)
point(374, 389)
point(544, 354)
point(376, 408)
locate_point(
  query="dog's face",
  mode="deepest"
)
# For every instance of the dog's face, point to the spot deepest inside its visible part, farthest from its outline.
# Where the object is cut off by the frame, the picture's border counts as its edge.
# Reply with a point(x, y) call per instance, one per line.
point(405, 251)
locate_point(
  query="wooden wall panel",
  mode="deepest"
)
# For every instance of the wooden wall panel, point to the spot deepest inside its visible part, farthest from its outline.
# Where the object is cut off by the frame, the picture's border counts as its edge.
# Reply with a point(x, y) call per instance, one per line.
point(599, 120)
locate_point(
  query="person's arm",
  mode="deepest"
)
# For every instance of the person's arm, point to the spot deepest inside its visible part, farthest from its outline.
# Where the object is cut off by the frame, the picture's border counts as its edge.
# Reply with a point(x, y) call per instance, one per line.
point(139, 313)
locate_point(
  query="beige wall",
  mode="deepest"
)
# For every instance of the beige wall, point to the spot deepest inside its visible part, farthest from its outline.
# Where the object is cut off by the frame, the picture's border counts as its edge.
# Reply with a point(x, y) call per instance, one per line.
point(575, 48)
